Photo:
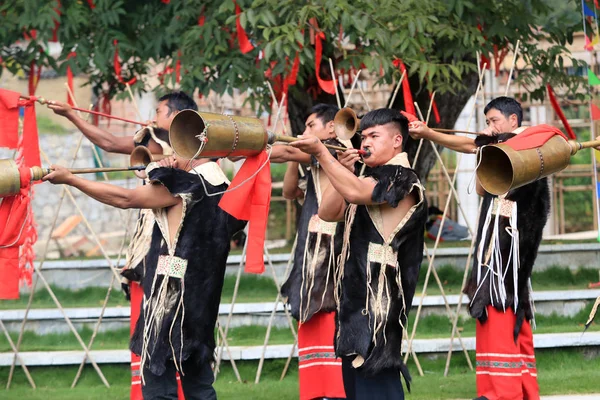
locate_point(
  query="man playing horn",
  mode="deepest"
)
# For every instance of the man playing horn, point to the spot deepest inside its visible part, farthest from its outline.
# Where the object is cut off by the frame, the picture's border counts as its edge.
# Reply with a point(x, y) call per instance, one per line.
point(182, 274)
point(499, 287)
point(156, 138)
point(309, 288)
point(382, 252)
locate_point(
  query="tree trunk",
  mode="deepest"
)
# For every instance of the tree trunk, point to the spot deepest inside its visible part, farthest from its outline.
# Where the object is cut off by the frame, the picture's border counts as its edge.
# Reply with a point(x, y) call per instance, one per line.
point(449, 105)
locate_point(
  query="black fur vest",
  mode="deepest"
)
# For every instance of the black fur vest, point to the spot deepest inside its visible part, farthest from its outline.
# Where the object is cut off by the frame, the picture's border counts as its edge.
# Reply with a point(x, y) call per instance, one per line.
point(180, 331)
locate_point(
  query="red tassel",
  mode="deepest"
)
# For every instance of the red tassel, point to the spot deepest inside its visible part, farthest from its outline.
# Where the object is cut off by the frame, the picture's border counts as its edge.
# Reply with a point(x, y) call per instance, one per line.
point(91, 4)
point(245, 45)
point(178, 67)
point(327, 86)
point(559, 112)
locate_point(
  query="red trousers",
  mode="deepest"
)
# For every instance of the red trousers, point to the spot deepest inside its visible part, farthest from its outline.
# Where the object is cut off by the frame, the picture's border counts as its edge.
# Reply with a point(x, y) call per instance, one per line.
point(320, 372)
point(505, 370)
point(137, 295)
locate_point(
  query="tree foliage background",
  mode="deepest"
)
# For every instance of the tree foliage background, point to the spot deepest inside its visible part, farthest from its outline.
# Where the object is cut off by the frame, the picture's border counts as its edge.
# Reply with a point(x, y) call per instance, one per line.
point(436, 39)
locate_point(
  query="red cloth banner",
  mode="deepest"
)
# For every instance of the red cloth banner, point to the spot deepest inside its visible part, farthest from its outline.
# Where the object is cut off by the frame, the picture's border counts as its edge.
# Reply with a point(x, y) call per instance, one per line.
point(9, 118)
point(409, 106)
point(595, 112)
point(248, 198)
point(243, 41)
point(534, 137)
point(327, 86)
point(559, 112)
point(13, 216)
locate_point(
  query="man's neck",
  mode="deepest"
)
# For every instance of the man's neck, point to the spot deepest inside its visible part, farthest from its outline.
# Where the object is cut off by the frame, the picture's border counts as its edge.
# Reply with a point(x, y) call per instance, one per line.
point(190, 165)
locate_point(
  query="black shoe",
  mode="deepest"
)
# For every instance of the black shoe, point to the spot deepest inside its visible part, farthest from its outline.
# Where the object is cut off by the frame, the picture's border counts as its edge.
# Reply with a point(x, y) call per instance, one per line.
point(481, 398)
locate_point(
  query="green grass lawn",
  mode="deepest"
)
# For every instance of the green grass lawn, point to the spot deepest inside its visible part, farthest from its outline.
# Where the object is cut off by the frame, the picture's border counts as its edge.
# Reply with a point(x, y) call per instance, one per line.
point(254, 289)
point(432, 326)
point(559, 372)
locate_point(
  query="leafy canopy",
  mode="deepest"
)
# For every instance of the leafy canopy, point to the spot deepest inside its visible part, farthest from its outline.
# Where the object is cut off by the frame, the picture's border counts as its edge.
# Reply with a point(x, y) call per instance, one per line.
point(437, 39)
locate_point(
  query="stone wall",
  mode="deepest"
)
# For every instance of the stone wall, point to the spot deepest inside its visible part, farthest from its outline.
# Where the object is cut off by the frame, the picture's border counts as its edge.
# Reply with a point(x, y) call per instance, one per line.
point(107, 222)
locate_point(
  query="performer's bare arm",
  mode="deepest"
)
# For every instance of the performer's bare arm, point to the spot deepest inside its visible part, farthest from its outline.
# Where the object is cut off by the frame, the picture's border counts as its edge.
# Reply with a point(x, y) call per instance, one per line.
point(291, 191)
point(101, 138)
point(462, 144)
point(281, 153)
point(146, 196)
point(348, 185)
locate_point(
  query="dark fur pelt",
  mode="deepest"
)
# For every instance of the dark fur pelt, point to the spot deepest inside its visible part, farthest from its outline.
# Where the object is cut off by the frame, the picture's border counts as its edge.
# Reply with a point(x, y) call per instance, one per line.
point(321, 296)
point(354, 329)
point(533, 207)
point(204, 241)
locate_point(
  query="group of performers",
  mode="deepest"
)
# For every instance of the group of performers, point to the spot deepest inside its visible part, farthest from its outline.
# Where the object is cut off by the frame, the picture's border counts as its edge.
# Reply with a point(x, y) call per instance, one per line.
point(356, 262)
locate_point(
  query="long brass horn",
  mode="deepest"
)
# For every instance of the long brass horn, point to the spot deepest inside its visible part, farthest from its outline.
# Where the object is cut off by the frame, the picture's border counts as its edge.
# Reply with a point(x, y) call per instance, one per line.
point(346, 123)
point(200, 134)
point(10, 176)
point(501, 168)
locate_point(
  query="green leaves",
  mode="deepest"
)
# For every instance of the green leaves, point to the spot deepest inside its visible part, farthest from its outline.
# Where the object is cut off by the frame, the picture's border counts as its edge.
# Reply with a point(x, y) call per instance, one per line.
point(437, 39)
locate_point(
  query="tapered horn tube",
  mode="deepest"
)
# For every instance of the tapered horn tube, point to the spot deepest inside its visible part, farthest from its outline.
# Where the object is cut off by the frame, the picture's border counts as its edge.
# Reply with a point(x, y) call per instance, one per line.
point(501, 168)
point(196, 134)
point(142, 156)
point(10, 176)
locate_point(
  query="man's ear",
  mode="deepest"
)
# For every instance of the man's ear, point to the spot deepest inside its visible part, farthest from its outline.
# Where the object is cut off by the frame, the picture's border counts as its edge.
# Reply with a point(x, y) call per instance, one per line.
point(398, 141)
point(514, 120)
point(330, 126)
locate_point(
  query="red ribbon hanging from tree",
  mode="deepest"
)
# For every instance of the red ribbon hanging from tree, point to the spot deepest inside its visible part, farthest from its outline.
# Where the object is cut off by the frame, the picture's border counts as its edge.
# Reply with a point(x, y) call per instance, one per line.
point(434, 108)
point(406, 93)
point(328, 86)
point(70, 100)
point(559, 112)
point(243, 41)
point(117, 66)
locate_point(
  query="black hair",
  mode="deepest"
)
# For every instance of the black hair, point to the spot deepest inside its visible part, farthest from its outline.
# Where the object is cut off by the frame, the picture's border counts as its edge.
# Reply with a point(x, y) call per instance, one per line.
point(179, 101)
point(383, 116)
point(507, 106)
point(325, 112)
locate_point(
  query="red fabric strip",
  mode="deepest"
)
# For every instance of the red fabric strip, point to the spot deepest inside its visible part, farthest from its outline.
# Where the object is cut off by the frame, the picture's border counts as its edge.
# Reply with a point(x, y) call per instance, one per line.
point(327, 86)
point(70, 101)
point(9, 118)
point(250, 201)
point(559, 112)
point(534, 137)
point(595, 112)
point(409, 106)
point(243, 41)
point(436, 112)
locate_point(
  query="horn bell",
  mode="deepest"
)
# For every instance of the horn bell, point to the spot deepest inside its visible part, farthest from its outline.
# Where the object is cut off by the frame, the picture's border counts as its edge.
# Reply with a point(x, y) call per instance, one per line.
point(206, 135)
point(501, 168)
point(10, 179)
point(346, 123)
point(142, 156)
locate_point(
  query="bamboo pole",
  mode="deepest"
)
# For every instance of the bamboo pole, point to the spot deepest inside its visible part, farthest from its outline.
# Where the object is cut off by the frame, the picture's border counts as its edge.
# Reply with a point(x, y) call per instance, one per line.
point(335, 84)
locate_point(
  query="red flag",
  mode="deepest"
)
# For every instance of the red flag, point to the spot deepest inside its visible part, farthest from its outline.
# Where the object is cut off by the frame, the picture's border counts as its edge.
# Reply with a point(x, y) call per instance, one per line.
point(244, 42)
point(9, 118)
point(327, 86)
point(248, 198)
point(406, 93)
point(534, 136)
point(559, 112)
